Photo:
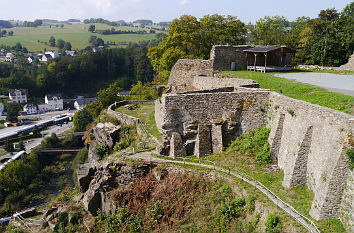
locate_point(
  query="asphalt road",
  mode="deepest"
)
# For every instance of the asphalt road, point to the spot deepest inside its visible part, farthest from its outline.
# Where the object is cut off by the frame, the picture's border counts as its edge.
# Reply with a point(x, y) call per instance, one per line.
point(339, 83)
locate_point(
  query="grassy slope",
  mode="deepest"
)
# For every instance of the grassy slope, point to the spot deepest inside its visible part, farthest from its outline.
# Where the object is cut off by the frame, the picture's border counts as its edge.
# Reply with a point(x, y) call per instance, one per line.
point(301, 91)
point(76, 34)
point(146, 114)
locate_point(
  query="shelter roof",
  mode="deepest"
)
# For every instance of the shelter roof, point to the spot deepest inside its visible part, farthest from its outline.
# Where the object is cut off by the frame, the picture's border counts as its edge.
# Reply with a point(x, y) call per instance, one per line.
point(272, 48)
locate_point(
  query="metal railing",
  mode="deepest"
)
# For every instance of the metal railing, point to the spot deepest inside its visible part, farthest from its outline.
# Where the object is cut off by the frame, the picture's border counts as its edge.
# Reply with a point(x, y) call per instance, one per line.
point(303, 220)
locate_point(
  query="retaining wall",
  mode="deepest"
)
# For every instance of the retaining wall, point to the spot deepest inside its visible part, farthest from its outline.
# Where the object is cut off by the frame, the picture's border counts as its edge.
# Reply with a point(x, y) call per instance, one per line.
point(309, 143)
point(123, 118)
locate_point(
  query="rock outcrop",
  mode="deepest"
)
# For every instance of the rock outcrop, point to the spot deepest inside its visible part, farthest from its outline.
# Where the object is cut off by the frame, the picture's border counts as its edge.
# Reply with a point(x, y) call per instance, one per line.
point(349, 65)
point(103, 178)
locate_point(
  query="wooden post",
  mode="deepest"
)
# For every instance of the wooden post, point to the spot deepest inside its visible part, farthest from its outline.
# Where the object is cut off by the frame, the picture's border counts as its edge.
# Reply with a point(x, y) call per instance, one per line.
point(255, 61)
point(265, 62)
point(246, 61)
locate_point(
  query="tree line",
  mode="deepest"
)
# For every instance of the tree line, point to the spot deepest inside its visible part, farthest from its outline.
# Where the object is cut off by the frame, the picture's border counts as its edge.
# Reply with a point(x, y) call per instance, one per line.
point(325, 40)
point(35, 23)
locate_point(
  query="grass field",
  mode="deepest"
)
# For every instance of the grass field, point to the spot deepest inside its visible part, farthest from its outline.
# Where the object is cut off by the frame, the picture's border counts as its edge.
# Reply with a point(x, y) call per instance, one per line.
point(76, 34)
point(301, 91)
point(146, 113)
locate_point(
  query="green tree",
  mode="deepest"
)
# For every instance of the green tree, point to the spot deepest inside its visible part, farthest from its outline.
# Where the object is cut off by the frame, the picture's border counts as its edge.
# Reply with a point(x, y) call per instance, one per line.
point(190, 38)
point(37, 22)
point(109, 95)
point(81, 119)
point(144, 92)
point(92, 28)
point(18, 47)
point(52, 141)
point(60, 43)
point(12, 110)
point(52, 41)
point(36, 132)
point(67, 46)
point(21, 146)
point(9, 146)
point(270, 30)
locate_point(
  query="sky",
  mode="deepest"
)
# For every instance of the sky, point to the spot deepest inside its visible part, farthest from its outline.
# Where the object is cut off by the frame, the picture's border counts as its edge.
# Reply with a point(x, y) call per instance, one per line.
point(162, 10)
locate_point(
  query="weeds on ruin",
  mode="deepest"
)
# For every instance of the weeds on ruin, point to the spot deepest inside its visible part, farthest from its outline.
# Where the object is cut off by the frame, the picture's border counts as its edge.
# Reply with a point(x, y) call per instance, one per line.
point(101, 151)
point(350, 153)
point(254, 143)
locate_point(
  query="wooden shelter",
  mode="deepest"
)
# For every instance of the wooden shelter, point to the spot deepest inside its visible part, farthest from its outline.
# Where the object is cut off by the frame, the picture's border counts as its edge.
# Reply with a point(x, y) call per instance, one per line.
point(269, 58)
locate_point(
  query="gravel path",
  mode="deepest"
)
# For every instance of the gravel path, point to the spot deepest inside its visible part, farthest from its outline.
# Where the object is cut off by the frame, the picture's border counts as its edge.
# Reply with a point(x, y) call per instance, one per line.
point(308, 224)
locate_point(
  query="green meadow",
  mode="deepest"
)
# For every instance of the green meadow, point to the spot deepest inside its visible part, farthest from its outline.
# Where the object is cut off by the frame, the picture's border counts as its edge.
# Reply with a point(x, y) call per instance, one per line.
point(76, 34)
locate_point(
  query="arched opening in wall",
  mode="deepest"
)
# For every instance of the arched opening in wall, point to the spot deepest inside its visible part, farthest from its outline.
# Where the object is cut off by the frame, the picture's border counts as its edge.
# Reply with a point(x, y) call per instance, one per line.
point(232, 127)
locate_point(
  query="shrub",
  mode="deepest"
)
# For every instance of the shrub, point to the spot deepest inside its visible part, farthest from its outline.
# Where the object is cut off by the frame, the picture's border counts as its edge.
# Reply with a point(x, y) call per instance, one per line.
point(272, 223)
point(350, 154)
point(101, 150)
point(254, 143)
point(250, 204)
point(135, 224)
point(291, 112)
point(231, 208)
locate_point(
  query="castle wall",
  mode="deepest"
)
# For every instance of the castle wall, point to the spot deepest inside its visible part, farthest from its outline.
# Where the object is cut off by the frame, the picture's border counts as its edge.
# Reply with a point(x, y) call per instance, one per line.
point(346, 212)
point(184, 70)
point(310, 148)
point(237, 112)
point(222, 57)
point(207, 83)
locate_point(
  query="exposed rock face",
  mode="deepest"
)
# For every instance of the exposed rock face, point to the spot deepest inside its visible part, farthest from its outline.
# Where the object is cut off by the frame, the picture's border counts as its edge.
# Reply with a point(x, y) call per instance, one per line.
point(107, 177)
point(106, 133)
point(103, 133)
point(349, 65)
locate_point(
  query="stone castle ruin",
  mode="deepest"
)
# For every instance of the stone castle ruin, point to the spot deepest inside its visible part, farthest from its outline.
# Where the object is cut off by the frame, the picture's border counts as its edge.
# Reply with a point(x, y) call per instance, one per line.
point(202, 112)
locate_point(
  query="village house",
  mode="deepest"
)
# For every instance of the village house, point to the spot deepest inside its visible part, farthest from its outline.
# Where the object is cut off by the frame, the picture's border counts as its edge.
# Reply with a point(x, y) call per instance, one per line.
point(9, 57)
point(96, 49)
point(52, 102)
point(17, 96)
point(52, 53)
point(30, 108)
point(46, 57)
point(70, 53)
point(81, 102)
point(30, 59)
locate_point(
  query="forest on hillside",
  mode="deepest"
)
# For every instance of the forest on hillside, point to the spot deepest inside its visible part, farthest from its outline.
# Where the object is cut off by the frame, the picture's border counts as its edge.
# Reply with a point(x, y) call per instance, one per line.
point(86, 73)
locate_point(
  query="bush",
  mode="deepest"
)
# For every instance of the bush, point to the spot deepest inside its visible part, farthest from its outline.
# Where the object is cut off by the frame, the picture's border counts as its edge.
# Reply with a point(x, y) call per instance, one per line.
point(101, 150)
point(272, 223)
point(254, 143)
point(231, 208)
point(350, 154)
point(250, 203)
point(81, 119)
point(135, 224)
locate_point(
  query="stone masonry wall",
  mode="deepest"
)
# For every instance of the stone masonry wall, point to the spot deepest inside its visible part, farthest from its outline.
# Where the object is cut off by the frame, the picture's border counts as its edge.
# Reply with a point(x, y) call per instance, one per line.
point(206, 83)
point(312, 141)
point(223, 55)
point(183, 72)
point(237, 112)
point(346, 213)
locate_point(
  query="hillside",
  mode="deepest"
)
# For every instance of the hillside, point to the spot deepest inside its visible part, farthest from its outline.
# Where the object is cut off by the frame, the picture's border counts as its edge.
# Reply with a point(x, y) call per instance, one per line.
point(76, 34)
